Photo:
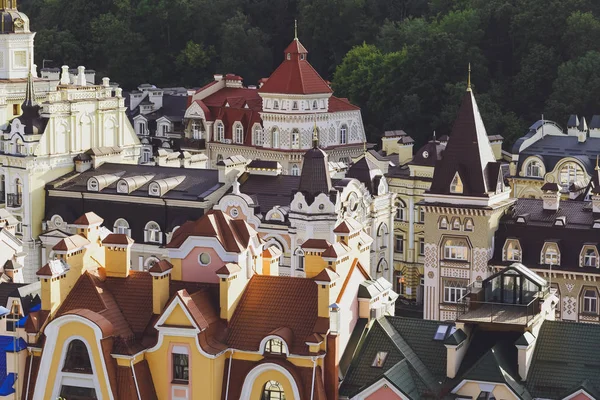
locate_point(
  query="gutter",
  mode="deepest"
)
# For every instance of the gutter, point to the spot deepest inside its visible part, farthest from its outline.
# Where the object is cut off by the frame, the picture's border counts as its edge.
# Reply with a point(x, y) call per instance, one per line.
point(228, 375)
point(312, 386)
point(29, 375)
point(137, 388)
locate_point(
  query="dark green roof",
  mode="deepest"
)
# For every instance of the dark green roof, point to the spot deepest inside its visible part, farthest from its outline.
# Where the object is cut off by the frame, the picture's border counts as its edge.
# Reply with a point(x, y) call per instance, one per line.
point(353, 345)
point(373, 288)
point(456, 338)
point(415, 363)
point(566, 357)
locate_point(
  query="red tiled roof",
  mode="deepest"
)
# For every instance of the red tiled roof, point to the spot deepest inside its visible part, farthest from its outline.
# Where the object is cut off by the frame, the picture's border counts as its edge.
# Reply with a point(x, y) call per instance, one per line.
point(89, 218)
point(337, 104)
point(190, 305)
point(349, 225)
point(105, 325)
point(53, 268)
point(321, 244)
point(126, 382)
point(234, 235)
point(326, 275)
point(270, 303)
point(335, 250)
point(118, 238)
point(160, 267)
point(296, 75)
point(228, 269)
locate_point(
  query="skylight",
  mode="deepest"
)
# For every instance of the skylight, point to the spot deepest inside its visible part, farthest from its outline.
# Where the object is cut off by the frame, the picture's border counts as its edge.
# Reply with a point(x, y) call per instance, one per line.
point(379, 359)
point(441, 332)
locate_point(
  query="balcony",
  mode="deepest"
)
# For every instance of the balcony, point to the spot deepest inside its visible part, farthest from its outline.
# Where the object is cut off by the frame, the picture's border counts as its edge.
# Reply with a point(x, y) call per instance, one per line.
point(14, 200)
point(514, 296)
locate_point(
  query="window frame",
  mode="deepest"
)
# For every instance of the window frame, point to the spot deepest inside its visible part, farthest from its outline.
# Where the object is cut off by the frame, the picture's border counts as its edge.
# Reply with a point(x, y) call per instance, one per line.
point(149, 233)
point(588, 300)
point(275, 346)
point(239, 134)
point(344, 134)
point(220, 132)
point(185, 369)
point(455, 252)
point(421, 242)
point(452, 294)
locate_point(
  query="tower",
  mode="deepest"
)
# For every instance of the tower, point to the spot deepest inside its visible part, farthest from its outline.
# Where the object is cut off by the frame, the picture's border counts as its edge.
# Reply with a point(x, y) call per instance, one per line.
point(462, 209)
point(16, 42)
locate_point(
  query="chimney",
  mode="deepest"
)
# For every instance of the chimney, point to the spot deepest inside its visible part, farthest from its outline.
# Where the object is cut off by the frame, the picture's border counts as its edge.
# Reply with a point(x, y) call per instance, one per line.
point(106, 82)
point(583, 131)
point(218, 77)
point(551, 196)
point(231, 286)
point(81, 76)
point(270, 264)
point(332, 367)
point(525, 346)
point(161, 273)
point(326, 280)
point(119, 92)
point(456, 348)
point(117, 255)
point(596, 200)
point(65, 79)
point(54, 286)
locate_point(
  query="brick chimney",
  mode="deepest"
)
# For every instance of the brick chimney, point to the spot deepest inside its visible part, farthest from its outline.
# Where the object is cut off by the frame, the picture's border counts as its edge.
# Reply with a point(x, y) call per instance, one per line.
point(161, 273)
point(117, 255)
point(231, 286)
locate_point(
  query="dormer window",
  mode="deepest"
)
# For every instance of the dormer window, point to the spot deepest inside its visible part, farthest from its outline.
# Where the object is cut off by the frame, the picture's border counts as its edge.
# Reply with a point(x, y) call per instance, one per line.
point(153, 233)
point(443, 223)
point(457, 185)
point(379, 360)
point(220, 132)
point(456, 224)
point(275, 346)
point(560, 221)
point(589, 256)
point(533, 169)
point(289, 56)
point(239, 134)
point(550, 254)
point(469, 225)
point(93, 185)
point(512, 250)
point(302, 57)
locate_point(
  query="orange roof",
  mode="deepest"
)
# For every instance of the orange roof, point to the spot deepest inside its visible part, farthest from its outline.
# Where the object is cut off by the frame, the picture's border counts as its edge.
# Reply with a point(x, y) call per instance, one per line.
point(270, 303)
point(88, 219)
point(71, 243)
point(295, 75)
point(234, 235)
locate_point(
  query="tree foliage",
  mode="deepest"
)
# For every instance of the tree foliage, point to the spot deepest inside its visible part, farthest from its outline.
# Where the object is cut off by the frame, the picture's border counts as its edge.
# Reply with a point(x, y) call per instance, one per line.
point(404, 62)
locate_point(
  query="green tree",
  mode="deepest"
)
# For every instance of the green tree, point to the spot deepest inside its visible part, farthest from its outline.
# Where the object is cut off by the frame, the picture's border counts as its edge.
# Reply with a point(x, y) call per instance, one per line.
point(582, 34)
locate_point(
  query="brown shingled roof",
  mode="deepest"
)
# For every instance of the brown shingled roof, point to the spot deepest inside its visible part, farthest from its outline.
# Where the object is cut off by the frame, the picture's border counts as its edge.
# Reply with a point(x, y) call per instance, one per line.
point(270, 303)
point(228, 269)
point(234, 235)
point(88, 219)
point(320, 244)
point(326, 275)
point(349, 225)
point(118, 238)
point(160, 267)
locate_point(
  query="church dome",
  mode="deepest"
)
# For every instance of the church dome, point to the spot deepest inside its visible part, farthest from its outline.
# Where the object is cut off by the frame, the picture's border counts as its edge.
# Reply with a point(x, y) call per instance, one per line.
point(12, 20)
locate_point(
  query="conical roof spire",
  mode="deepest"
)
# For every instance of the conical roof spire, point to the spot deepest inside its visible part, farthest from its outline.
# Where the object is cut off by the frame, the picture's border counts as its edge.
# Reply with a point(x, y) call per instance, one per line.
point(29, 92)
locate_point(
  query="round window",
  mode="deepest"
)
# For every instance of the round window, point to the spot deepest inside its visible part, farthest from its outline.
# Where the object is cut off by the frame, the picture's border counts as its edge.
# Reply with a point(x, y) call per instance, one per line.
point(321, 207)
point(234, 212)
point(425, 154)
point(300, 206)
point(204, 259)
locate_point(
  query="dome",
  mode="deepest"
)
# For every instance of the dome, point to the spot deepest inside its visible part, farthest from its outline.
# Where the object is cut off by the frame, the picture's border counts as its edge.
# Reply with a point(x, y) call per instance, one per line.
point(13, 21)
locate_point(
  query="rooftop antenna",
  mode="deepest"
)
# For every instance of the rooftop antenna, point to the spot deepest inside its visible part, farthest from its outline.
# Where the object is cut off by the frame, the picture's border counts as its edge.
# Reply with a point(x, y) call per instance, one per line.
point(469, 79)
point(434, 136)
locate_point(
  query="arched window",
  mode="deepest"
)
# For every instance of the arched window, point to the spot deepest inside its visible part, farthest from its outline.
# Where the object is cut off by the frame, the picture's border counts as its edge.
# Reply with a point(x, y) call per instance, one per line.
point(152, 232)
point(276, 105)
point(220, 132)
point(513, 250)
point(299, 254)
point(121, 226)
point(239, 134)
point(150, 261)
point(315, 105)
point(258, 136)
point(295, 105)
point(295, 138)
point(78, 358)
point(344, 134)
point(219, 158)
point(400, 211)
point(197, 130)
point(443, 223)
point(533, 169)
point(570, 172)
point(275, 138)
point(273, 391)
point(455, 249)
point(469, 225)
point(275, 346)
point(146, 155)
point(590, 258)
point(382, 265)
point(295, 170)
point(382, 236)
point(456, 224)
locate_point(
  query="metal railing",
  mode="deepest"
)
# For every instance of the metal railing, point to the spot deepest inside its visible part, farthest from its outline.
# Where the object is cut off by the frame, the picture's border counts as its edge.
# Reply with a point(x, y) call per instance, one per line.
point(505, 313)
point(14, 200)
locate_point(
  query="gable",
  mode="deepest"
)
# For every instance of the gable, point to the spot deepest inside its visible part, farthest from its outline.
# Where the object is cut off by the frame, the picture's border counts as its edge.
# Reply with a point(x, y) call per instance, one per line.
point(176, 316)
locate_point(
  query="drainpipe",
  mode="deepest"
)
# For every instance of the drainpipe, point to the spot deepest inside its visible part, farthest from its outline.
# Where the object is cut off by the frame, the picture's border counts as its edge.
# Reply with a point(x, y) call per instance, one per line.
point(29, 376)
point(228, 375)
point(137, 388)
point(312, 387)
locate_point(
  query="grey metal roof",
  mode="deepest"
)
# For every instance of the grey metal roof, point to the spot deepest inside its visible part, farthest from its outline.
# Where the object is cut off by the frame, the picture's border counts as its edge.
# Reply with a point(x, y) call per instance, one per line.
point(373, 288)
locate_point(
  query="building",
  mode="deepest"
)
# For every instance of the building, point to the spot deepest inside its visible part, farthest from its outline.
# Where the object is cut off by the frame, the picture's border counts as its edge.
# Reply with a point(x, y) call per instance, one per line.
point(467, 197)
point(218, 317)
point(514, 351)
point(275, 121)
point(157, 118)
point(296, 213)
point(12, 257)
point(548, 154)
point(153, 202)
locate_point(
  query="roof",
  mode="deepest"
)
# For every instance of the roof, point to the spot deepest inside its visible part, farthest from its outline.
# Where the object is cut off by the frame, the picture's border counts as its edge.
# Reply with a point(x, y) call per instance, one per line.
point(234, 235)
point(319, 244)
point(348, 225)
point(270, 303)
point(565, 357)
point(88, 219)
point(161, 267)
point(429, 155)
point(366, 172)
point(74, 242)
point(372, 288)
point(53, 268)
point(117, 238)
point(314, 178)
point(468, 153)
point(263, 164)
point(295, 75)
point(269, 191)
point(408, 341)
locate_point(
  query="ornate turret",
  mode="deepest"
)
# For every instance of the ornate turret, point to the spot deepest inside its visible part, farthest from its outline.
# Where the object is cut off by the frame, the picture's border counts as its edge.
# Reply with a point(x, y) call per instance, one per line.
point(13, 21)
point(16, 46)
point(34, 123)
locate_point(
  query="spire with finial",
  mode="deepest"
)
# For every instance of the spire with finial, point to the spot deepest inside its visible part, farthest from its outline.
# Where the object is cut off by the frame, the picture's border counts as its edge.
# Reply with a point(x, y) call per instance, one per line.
point(434, 135)
point(29, 92)
point(295, 29)
point(469, 79)
point(315, 134)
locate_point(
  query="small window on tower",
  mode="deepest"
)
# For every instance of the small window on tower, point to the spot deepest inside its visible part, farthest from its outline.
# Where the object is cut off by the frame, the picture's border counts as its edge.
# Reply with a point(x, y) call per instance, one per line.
point(302, 56)
point(456, 186)
point(289, 56)
point(16, 109)
point(379, 359)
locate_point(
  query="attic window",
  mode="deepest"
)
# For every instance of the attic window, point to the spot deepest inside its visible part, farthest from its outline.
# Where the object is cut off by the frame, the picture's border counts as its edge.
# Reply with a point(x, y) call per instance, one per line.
point(560, 221)
point(457, 185)
point(521, 220)
point(440, 334)
point(596, 224)
point(379, 360)
point(289, 56)
point(302, 56)
point(275, 346)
